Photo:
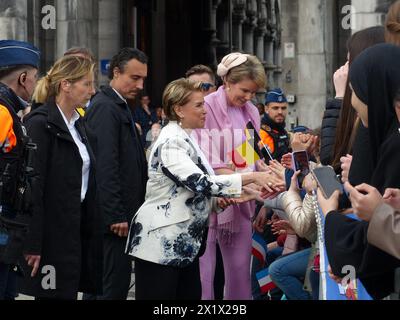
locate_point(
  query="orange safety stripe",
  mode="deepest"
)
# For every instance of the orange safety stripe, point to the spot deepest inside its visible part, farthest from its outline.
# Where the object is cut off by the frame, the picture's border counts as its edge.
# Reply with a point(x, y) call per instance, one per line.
point(267, 140)
point(8, 139)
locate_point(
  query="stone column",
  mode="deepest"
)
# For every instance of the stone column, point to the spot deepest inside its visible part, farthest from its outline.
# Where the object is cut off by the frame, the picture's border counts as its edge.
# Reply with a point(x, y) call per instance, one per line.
point(269, 37)
point(13, 20)
point(249, 25)
point(223, 29)
point(34, 22)
point(238, 16)
point(76, 25)
point(277, 47)
point(311, 61)
point(210, 31)
point(261, 30)
point(109, 32)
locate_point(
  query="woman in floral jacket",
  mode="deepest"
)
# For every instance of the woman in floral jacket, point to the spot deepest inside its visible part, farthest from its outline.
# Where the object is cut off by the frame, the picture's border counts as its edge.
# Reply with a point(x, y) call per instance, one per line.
point(167, 236)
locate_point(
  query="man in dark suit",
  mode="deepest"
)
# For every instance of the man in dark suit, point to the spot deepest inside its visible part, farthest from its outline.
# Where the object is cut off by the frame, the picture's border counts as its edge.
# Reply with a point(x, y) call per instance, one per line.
point(121, 165)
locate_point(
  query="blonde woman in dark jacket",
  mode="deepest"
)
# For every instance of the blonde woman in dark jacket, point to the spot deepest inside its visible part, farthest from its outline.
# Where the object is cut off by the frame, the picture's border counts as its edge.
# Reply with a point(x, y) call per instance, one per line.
point(64, 247)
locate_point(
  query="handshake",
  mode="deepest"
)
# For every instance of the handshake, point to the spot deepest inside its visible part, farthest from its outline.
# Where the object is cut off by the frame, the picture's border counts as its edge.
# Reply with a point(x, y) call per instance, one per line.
point(267, 183)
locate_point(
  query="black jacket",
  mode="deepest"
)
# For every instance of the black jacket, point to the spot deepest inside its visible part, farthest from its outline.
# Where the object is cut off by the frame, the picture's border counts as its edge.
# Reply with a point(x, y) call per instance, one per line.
point(328, 130)
point(65, 232)
point(121, 161)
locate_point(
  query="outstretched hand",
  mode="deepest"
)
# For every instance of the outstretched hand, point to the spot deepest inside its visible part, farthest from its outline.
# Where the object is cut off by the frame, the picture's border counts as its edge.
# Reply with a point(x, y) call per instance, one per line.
point(250, 193)
point(282, 226)
point(365, 199)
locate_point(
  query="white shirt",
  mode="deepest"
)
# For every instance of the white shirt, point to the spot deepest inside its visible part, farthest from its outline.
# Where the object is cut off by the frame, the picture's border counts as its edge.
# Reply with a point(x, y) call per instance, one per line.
point(119, 95)
point(82, 151)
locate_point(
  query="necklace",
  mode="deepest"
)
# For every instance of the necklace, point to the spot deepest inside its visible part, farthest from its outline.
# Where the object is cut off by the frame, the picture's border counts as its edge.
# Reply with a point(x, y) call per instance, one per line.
point(317, 217)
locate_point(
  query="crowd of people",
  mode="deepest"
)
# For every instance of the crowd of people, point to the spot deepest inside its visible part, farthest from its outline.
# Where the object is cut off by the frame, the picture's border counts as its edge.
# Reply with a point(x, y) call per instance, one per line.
point(205, 195)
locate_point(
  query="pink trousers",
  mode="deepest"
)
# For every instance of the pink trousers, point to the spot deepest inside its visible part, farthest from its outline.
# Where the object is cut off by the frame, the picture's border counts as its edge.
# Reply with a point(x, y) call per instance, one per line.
point(236, 255)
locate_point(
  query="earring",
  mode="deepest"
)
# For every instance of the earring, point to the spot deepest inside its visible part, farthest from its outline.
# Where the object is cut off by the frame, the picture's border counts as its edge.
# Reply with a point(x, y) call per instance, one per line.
point(180, 121)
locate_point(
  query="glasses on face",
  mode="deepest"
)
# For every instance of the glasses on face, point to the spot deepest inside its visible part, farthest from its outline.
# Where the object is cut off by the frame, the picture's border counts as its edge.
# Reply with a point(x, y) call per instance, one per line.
point(205, 86)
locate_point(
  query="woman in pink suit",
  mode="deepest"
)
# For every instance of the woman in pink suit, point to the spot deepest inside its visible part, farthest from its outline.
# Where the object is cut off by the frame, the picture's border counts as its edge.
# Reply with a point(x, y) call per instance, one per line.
point(228, 112)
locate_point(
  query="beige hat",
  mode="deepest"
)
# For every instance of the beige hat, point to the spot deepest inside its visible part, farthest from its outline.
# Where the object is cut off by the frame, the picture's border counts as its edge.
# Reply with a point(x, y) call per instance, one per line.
point(231, 61)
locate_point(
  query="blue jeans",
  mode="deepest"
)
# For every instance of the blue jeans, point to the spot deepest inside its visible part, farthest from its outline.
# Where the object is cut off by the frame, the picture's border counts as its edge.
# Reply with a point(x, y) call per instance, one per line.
point(287, 273)
point(256, 267)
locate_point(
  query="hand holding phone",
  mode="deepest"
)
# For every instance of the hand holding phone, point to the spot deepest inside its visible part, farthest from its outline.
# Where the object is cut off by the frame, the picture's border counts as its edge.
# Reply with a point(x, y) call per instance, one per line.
point(300, 163)
point(327, 180)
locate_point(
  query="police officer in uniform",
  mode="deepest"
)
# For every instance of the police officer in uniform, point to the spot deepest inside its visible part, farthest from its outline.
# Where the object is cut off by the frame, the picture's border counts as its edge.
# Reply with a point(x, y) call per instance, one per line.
point(18, 74)
point(273, 133)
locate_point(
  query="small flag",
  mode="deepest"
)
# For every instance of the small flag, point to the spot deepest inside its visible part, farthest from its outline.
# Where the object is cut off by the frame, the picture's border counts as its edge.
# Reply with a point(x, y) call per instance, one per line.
point(264, 152)
point(349, 291)
point(248, 153)
point(265, 281)
point(259, 248)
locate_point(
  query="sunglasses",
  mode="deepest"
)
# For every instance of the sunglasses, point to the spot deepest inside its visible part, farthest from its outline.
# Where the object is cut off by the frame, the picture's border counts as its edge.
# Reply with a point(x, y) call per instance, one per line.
point(205, 86)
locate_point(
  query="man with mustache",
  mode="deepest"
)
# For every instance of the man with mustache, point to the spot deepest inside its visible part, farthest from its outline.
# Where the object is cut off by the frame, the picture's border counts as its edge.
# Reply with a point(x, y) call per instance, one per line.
point(273, 132)
point(121, 166)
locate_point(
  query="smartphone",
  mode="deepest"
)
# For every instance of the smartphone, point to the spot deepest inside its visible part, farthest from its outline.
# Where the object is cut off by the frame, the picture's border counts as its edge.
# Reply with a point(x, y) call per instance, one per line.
point(327, 180)
point(300, 163)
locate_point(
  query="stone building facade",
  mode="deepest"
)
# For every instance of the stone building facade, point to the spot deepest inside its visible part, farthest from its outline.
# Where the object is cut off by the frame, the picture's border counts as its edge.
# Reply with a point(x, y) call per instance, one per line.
point(300, 42)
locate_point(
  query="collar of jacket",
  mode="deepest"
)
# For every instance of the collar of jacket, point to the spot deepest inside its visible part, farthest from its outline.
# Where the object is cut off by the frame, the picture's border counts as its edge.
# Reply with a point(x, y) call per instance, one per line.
point(55, 122)
point(9, 97)
point(56, 125)
point(55, 118)
point(266, 120)
point(108, 91)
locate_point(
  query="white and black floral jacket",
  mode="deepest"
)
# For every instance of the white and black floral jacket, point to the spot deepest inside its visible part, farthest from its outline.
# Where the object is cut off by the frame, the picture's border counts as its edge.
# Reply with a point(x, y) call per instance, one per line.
point(168, 228)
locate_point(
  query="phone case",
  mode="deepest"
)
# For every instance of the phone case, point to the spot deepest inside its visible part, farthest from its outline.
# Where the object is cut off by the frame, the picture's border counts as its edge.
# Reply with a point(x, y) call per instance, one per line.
point(326, 180)
point(304, 166)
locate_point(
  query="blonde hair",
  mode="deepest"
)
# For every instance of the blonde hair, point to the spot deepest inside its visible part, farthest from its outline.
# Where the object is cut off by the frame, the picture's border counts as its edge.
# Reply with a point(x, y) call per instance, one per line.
point(252, 69)
point(178, 93)
point(70, 68)
point(392, 24)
